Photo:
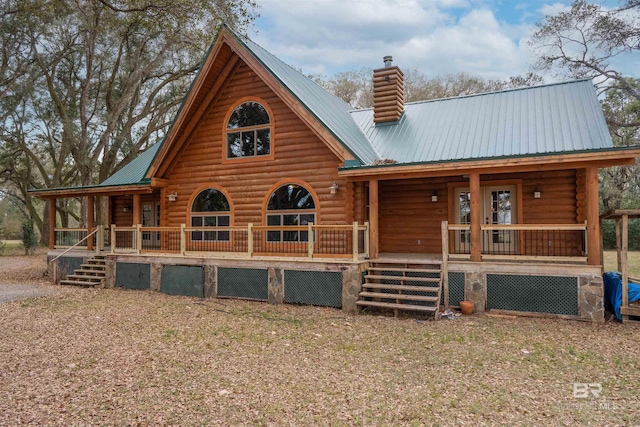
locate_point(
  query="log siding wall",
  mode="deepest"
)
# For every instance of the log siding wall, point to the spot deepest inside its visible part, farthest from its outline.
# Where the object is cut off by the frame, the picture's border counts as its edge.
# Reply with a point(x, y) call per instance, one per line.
point(125, 219)
point(298, 154)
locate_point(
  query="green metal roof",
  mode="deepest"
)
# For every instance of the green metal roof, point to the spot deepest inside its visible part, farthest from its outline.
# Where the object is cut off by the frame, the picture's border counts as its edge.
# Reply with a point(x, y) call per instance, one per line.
point(328, 109)
point(134, 171)
point(548, 119)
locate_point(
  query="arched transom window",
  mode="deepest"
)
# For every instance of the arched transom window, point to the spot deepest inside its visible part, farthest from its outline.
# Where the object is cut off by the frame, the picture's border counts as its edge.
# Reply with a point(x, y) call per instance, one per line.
point(290, 205)
point(249, 131)
point(210, 208)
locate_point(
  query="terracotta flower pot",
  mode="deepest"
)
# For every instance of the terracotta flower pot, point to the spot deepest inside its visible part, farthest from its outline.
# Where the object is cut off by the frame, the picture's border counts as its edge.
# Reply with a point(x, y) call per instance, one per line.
point(466, 307)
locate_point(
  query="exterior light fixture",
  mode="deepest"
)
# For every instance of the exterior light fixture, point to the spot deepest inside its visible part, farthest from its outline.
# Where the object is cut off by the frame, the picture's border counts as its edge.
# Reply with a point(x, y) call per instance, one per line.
point(536, 193)
point(334, 188)
point(434, 196)
point(172, 197)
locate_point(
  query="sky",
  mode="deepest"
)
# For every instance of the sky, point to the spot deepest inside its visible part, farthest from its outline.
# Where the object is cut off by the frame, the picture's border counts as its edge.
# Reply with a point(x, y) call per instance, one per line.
point(480, 37)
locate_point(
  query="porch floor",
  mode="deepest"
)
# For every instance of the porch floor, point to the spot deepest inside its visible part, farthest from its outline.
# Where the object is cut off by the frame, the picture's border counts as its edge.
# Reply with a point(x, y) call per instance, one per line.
point(408, 257)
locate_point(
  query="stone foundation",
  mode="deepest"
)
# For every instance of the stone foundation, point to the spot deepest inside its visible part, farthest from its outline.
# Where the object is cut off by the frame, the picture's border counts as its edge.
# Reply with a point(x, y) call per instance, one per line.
point(276, 286)
point(591, 298)
point(475, 290)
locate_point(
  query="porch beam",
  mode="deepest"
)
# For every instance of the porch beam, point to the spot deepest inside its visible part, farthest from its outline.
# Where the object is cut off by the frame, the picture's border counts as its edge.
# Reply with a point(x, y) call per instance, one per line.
point(90, 220)
point(52, 223)
point(476, 217)
point(374, 233)
point(495, 166)
point(136, 209)
point(593, 218)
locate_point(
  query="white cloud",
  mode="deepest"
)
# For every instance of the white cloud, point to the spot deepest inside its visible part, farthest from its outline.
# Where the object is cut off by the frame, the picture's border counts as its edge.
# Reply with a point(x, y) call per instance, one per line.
point(434, 36)
point(554, 9)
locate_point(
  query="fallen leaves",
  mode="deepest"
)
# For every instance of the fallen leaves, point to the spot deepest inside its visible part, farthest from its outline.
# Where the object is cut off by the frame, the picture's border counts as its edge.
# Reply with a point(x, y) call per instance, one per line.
point(115, 357)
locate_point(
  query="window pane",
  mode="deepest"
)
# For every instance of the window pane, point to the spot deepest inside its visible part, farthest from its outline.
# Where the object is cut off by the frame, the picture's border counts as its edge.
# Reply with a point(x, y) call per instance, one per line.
point(196, 235)
point(248, 114)
point(209, 235)
point(290, 236)
point(234, 144)
point(248, 143)
point(223, 221)
point(465, 208)
point(307, 218)
point(290, 220)
point(289, 197)
point(210, 200)
point(304, 236)
point(263, 142)
point(273, 236)
point(273, 220)
point(196, 221)
point(209, 221)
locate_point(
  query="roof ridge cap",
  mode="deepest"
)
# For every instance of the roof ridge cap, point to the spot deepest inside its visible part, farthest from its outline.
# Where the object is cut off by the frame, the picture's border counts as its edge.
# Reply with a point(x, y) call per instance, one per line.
point(494, 92)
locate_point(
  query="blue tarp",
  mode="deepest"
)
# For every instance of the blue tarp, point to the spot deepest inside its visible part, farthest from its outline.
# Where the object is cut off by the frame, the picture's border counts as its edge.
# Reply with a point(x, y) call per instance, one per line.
point(613, 292)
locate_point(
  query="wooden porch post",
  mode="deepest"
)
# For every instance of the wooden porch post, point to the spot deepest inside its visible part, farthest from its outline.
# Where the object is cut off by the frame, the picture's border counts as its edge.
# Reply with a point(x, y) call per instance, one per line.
point(52, 223)
point(593, 220)
point(624, 267)
point(374, 238)
point(136, 209)
point(90, 220)
point(476, 217)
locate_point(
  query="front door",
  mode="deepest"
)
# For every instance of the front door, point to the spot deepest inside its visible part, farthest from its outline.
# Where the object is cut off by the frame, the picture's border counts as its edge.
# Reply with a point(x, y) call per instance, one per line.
point(151, 218)
point(498, 207)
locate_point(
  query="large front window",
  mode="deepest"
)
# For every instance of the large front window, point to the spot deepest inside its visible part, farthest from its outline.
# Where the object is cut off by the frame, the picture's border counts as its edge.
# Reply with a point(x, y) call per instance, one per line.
point(290, 205)
point(248, 131)
point(210, 208)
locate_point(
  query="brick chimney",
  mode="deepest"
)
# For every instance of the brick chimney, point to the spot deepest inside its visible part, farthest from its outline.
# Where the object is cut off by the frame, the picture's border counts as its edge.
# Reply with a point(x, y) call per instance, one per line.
point(388, 92)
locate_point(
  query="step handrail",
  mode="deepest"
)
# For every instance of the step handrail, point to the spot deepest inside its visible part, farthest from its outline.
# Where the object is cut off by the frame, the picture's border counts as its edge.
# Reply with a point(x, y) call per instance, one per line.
point(80, 241)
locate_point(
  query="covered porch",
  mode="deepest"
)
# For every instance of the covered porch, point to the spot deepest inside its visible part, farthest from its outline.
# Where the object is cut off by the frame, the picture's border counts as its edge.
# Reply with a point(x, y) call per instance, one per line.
point(535, 217)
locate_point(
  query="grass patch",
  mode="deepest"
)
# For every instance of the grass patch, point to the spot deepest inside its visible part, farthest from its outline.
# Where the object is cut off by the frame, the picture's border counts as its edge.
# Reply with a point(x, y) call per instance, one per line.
point(611, 262)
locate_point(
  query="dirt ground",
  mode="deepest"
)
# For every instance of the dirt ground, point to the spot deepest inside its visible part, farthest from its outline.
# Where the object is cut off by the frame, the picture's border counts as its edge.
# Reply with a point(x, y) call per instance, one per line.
point(117, 357)
point(24, 277)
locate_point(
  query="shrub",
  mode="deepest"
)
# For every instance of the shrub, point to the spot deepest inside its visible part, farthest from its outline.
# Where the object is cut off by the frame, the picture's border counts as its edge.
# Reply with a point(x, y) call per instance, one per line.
point(29, 237)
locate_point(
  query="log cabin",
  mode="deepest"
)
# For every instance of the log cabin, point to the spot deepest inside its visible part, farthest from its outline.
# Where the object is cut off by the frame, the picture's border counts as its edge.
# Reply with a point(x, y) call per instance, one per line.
point(268, 187)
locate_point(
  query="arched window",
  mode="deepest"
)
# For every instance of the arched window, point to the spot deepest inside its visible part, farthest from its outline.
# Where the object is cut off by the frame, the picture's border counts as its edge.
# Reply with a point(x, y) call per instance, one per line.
point(210, 208)
point(290, 205)
point(248, 131)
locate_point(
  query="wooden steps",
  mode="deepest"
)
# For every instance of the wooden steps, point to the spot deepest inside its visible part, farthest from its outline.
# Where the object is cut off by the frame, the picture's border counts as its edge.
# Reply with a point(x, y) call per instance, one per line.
point(396, 285)
point(89, 275)
point(398, 296)
point(397, 306)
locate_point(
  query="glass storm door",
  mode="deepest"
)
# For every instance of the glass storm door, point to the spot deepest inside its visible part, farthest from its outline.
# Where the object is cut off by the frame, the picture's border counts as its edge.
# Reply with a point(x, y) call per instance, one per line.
point(151, 218)
point(462, 238)
point(498, 207)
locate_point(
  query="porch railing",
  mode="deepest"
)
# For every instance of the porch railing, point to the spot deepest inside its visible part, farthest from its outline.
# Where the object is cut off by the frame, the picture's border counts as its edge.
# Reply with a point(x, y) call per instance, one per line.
point(522, 241)
point(68, 237)
point(310, 241)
